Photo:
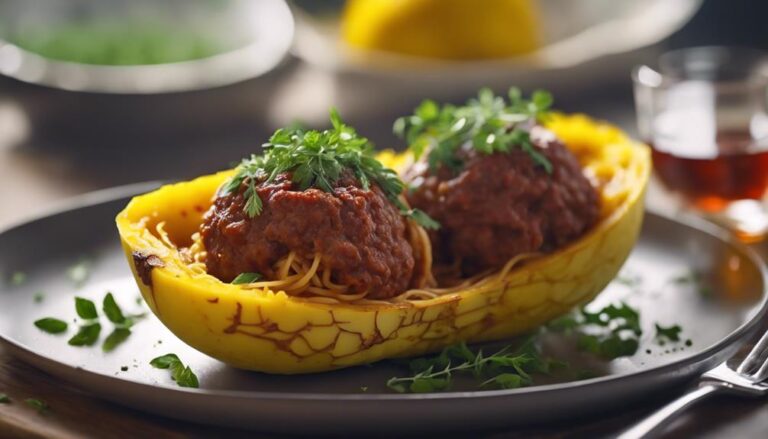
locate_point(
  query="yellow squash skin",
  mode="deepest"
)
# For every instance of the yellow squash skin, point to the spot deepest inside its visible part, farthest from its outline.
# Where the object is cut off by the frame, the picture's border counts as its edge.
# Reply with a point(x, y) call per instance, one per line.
point(273, 332)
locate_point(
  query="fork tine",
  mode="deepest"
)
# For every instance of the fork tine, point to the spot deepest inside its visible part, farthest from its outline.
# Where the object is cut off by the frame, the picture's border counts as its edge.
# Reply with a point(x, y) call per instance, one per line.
point(754, 358)
point(762, 373)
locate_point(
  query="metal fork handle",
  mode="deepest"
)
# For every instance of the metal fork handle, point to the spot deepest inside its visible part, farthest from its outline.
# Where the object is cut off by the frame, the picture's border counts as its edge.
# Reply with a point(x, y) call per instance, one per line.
point(654, 424)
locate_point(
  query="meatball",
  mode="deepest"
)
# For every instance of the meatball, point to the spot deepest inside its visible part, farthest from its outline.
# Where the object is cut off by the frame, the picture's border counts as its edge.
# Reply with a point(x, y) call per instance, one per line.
point(359, 233)
point(503, 204)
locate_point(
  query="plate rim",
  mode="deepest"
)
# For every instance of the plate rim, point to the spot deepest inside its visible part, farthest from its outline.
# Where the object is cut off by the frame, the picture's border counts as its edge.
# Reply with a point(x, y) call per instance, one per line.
point(109, 195)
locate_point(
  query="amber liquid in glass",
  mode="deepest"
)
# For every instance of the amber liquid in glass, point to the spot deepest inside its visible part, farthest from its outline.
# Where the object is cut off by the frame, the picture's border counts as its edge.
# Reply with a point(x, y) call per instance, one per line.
point(736, 172)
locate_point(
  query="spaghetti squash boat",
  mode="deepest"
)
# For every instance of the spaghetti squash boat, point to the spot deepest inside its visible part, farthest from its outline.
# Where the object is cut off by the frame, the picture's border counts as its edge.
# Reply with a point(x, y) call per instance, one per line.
point(316, 255)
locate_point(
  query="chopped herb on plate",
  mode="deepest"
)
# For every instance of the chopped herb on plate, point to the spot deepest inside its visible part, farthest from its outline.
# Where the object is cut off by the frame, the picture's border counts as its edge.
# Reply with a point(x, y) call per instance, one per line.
point(671, 333)
point(112, 310)
point(183, 375)
point(86, 309)
point(51, 325)
point(507, 368)
point(4, 399)
point(87, 335)
point(115, 339)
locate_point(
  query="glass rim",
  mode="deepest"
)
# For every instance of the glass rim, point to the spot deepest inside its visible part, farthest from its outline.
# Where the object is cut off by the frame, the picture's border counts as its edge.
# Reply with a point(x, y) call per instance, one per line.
point(656, 78)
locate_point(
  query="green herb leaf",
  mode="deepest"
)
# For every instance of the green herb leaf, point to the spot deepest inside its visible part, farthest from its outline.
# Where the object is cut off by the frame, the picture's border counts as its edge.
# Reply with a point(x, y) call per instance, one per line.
point(506, 381)
point(183, 375)
point(51, 325)
point(506, 368)
point(79, 272)
point(618, 335)
point(315, 159)
point(37, 404)
point(112, 310)
point(165, 361)
point(38, 297)
point(246, 278)
point(186, 378)
point(86, 336)
point(18, 278)
point(4, 399)
point(86, 309)
point(423, 219)
point(488, 124)
point(672, 333)
point(115, 339)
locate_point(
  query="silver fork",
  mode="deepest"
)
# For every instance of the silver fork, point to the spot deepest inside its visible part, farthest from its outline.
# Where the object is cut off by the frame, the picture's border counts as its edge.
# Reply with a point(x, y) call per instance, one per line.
point(747, 379)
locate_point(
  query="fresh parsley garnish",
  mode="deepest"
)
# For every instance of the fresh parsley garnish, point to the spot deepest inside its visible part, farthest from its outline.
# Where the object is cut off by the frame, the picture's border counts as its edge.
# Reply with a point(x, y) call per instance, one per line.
point(318, 159)
point(115, 339)
point(86, 309)
point(489, 124)
point(37, 404)
point(112, 310)
point(4, 399)
point(671, 333)
point(86, 336)
point(617, 333)
point(88, 333)
point(183, 375)
point(51, 325)
point(246, 278)
point(507, 368)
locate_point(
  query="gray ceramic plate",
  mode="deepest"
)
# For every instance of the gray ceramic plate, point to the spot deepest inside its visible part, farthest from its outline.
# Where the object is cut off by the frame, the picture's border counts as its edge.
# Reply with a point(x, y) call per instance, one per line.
point(717, 309)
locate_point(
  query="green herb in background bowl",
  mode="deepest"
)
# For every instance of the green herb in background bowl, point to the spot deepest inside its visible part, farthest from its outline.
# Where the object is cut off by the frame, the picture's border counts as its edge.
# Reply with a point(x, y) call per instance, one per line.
point(116, 44)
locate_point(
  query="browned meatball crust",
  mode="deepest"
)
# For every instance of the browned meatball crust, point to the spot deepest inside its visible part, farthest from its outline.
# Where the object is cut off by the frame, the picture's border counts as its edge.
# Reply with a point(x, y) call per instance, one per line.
point(501, 205)
point(359, 233)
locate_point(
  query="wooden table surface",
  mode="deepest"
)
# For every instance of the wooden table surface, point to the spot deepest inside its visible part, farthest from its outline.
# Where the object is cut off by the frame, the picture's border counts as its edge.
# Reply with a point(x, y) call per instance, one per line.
point(32, 177)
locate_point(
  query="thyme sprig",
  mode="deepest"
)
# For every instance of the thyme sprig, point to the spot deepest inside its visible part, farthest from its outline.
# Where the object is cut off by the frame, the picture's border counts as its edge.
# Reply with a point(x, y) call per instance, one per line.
point(504, 369)
point(488, 123)
point(318, 159)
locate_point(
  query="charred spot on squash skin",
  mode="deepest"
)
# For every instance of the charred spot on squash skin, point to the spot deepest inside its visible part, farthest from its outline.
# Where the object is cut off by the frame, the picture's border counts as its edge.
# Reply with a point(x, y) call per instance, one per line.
point(213, 300)
point(145, 263)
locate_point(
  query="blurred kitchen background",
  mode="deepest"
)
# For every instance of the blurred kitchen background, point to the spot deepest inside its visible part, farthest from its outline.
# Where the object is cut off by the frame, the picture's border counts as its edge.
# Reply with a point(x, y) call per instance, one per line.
point(97, 93)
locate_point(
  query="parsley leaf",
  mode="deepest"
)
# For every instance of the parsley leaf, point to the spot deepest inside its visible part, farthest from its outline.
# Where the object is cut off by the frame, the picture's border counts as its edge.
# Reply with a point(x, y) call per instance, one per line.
point(317, 159)
point(488, 124)
point(115, 339)
point(4, 399)
point(112, 310)
point(246, 278)
point(671, 333)
point(51, 325)
point(85, 309)
point(183, 375)
point(165, 361)
point(618, 334)
point(86, 336)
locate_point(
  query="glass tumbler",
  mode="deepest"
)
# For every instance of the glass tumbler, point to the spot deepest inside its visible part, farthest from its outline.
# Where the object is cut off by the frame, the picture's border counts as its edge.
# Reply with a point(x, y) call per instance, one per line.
point(704, 111)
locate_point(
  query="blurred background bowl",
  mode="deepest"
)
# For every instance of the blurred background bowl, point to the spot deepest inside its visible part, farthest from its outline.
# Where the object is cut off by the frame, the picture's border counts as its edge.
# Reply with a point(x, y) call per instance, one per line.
point(585, 41)
point(116, 74)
